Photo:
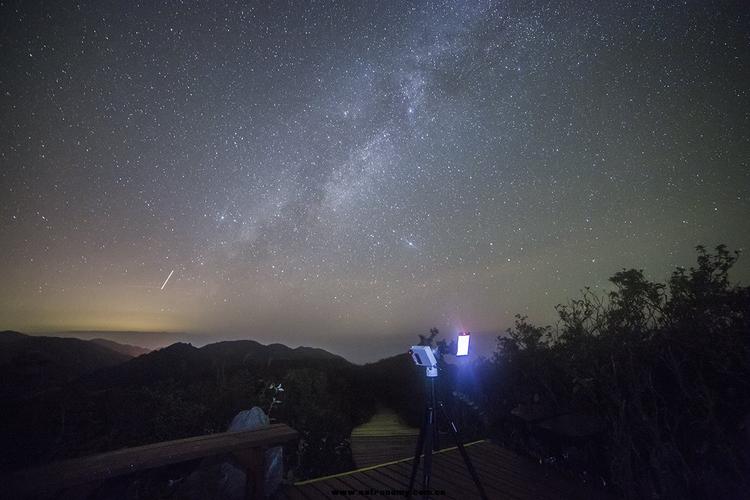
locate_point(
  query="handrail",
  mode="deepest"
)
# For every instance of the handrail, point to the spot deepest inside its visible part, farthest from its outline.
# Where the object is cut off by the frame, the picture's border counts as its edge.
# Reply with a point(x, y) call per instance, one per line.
point(247, 446)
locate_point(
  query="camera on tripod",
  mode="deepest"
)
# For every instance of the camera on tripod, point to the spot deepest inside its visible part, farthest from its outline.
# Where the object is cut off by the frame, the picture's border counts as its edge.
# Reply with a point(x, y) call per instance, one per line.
point(427, 356)
point(423, 355)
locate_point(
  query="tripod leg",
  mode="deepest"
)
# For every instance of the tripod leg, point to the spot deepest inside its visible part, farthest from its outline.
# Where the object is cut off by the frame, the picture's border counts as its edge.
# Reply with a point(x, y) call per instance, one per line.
point(436, 436)
point(427, 470)
point(418, 451)
point(462, 450)
point(435, 426)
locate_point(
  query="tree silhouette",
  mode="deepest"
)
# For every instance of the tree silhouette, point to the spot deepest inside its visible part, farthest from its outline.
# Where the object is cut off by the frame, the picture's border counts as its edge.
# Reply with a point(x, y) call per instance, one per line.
point(665, 368)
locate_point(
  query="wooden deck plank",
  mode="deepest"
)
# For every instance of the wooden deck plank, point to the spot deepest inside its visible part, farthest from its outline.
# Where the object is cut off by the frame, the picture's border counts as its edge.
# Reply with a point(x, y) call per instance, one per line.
point(525, 485)
point(308, 492)
point(345, 483)
point(502, 474)
point(378, 481)
point(397, 476)
point(385, 422)
point(382, 439)
point(392, 477)
point(514, 469)
point(525, 469)
point(543, 482)
point(357, 483)
point(494, 485)
point(324, 489)
point(373, 450)
point(451, 488)
point(311, 492)
point(456, 483)
point(388, 481)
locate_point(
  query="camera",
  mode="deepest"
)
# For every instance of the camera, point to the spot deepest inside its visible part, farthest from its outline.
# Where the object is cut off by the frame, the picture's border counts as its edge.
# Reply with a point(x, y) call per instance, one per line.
point(427, 357)
point(423, 356)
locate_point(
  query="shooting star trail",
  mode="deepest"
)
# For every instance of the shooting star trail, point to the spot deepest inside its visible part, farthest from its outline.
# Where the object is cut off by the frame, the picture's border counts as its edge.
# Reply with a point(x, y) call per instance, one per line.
point(165, 281)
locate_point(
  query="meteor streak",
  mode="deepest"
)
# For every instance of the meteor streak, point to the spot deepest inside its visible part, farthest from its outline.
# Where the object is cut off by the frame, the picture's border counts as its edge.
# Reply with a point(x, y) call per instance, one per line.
point(165, 281)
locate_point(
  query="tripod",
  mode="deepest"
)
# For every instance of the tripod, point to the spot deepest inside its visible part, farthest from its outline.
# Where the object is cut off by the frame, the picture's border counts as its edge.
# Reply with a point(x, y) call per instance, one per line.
point(428, 442)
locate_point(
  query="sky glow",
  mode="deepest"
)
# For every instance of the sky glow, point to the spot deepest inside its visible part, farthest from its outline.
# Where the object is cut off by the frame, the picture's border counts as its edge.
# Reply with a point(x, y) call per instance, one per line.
point(333, 174)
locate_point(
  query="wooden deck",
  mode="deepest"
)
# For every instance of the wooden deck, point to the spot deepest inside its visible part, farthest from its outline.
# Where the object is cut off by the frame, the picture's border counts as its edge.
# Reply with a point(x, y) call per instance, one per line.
point(383, 439)
point(504, 475)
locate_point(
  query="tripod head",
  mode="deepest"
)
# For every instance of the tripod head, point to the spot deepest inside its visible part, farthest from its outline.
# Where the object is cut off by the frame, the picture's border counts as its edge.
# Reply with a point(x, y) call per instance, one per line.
point(427, 356)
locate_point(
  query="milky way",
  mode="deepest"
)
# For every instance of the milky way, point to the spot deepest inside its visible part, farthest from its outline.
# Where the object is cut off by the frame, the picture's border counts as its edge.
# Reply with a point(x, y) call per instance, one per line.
point(346, 173)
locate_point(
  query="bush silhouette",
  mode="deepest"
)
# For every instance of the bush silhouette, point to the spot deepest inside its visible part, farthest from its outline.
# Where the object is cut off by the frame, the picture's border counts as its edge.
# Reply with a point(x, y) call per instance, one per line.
point(664, 368)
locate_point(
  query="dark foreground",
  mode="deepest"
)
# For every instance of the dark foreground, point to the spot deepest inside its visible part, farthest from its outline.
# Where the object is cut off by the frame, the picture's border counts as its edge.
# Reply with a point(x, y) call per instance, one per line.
point(503, 475)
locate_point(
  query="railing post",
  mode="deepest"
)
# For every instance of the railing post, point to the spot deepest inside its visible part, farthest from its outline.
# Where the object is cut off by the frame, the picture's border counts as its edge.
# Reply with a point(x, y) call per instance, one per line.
point(254, 462)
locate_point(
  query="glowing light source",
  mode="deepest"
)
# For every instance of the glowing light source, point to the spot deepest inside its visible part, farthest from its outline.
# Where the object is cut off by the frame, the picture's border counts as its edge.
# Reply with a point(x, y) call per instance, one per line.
point(463, 344)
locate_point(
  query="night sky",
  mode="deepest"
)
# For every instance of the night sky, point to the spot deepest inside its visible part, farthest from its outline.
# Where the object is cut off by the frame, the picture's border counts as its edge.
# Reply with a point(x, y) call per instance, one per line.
point(348, 174)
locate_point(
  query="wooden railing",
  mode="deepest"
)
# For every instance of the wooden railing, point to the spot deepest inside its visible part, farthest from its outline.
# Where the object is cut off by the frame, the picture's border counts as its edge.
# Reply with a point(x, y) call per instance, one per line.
point(248, 447)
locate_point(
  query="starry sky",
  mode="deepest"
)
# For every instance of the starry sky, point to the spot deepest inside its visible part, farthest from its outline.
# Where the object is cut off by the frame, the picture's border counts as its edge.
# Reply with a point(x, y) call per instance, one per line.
point(348, 174)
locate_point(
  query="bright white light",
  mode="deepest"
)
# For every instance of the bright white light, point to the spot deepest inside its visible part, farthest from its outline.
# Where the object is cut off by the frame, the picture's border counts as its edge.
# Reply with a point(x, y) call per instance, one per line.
point(463, 344)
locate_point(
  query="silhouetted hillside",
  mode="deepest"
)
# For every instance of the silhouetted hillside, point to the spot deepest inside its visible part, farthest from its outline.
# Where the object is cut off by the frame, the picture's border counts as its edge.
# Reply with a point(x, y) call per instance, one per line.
point(129, 350)
point(179, 361)
point(10, 336)
point(29, 364)
point(184, 362)
point(237, 351)
point(181, 391)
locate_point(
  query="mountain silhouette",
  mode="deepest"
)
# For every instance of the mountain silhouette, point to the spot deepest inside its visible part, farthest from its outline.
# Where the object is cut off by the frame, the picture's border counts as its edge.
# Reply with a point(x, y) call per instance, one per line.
point(174, 392)
point(185, 362)
point(29, 364)
point(10, 336)
point(129, 350)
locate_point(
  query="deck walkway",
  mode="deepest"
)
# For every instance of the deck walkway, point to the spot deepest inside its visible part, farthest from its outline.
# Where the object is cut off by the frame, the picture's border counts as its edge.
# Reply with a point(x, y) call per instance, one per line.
point(504, 475)
point(383, 439)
